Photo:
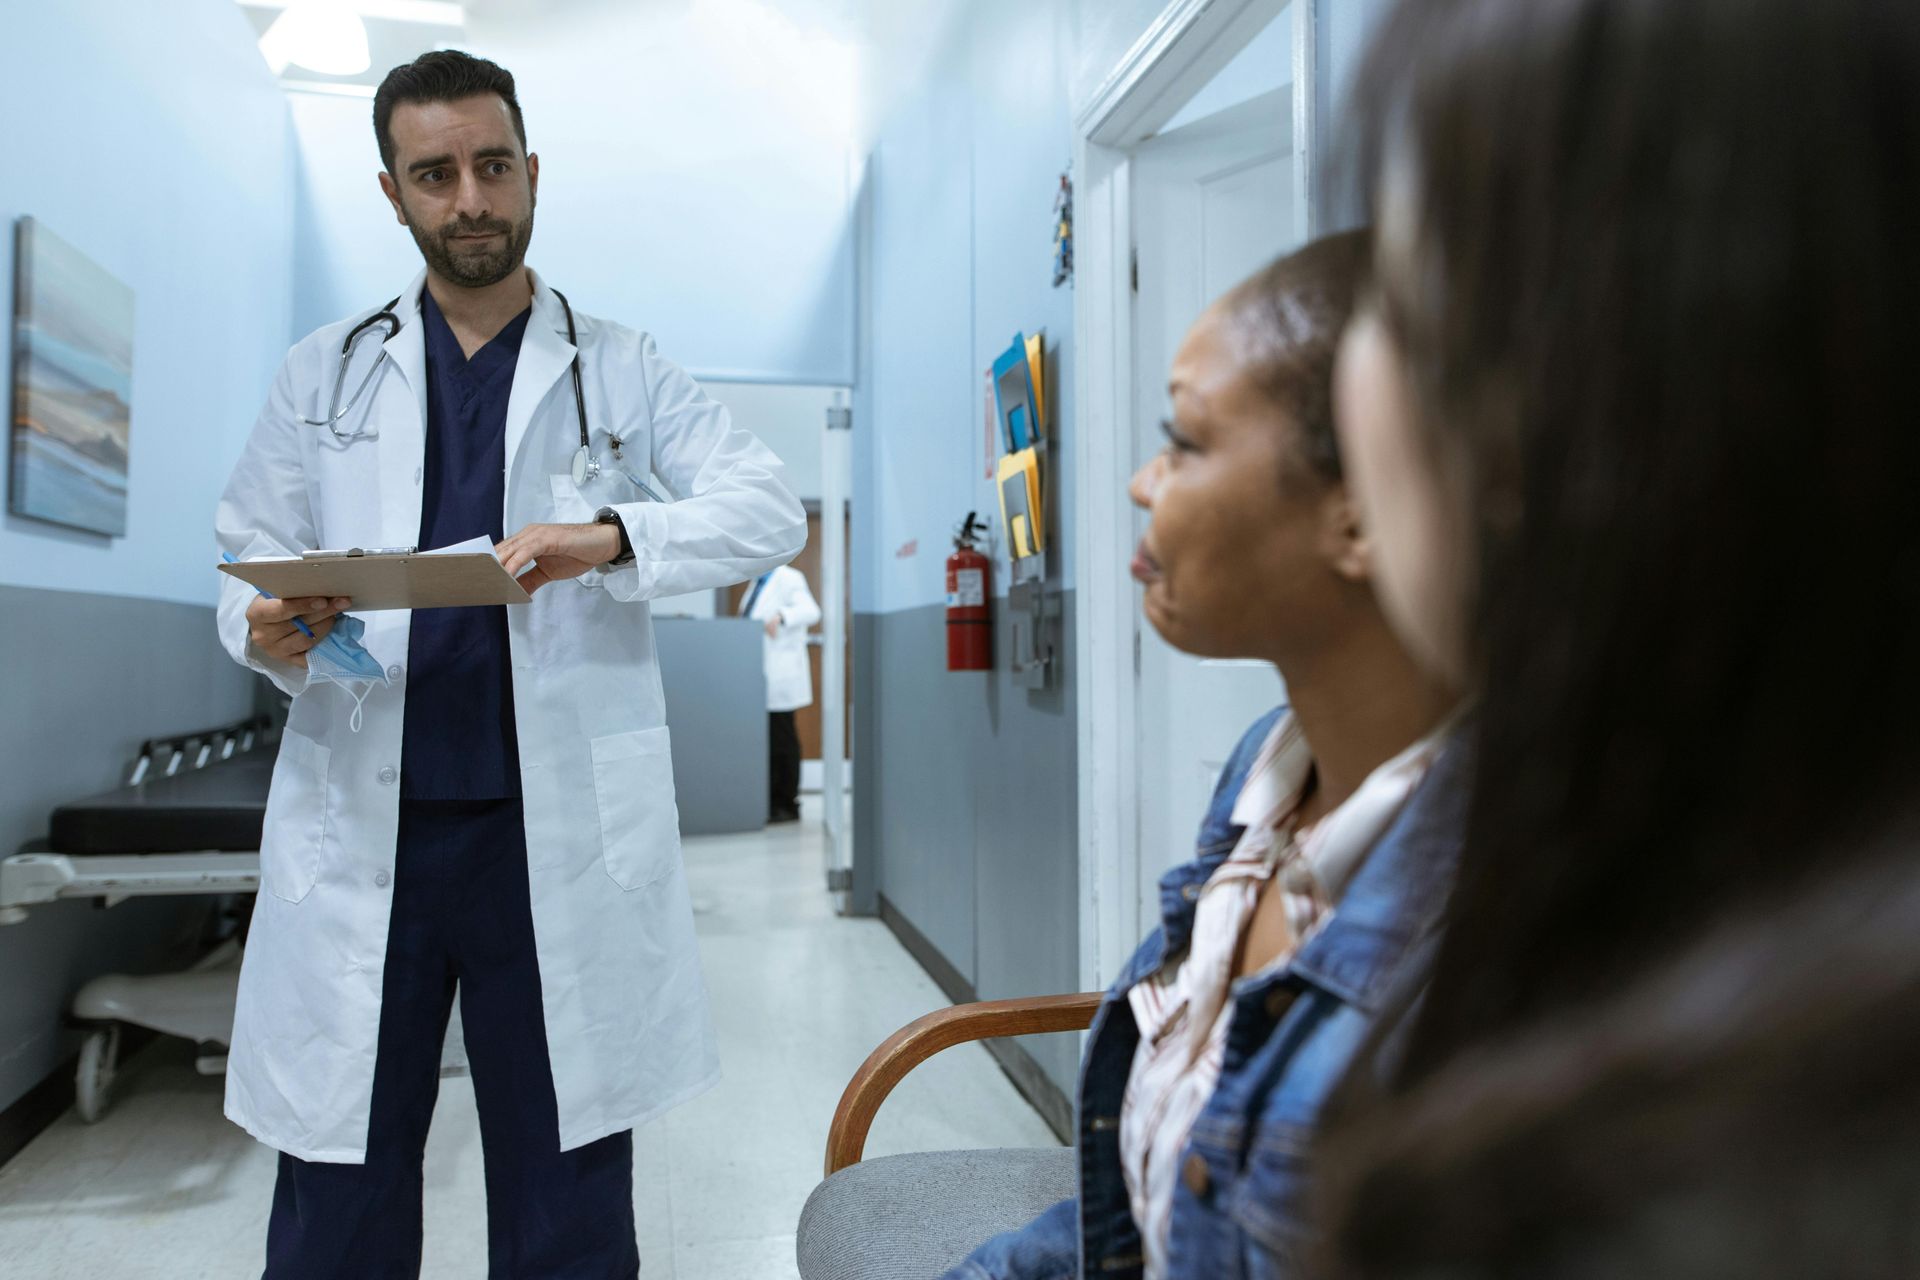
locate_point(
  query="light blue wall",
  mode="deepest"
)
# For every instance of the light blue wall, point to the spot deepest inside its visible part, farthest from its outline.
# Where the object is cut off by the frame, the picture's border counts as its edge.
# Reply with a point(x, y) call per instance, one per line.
point(694, 183)
point(350, 253)
point(966, 788)
point(960, 190)
point(1100, 33)
point(956, 203)
point(966, 783)
point(152, 138)
point(918, 408)
point(1266, 64)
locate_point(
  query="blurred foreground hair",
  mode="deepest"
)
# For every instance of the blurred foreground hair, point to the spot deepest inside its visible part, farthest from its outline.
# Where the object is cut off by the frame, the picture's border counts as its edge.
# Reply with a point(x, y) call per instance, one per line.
point(1652, 266)
point(1750, 1112)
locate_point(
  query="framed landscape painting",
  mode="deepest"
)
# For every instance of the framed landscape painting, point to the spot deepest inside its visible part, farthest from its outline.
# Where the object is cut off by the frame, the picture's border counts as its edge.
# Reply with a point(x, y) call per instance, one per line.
point(72, 386)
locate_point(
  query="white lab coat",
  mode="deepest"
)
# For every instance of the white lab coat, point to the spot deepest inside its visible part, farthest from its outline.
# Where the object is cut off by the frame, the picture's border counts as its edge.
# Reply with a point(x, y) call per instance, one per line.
point(789, 674)
point(628, 1029)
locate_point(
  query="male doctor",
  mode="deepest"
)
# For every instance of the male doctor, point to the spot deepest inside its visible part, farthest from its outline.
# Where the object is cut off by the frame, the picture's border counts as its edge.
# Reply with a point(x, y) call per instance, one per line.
point(502, 818)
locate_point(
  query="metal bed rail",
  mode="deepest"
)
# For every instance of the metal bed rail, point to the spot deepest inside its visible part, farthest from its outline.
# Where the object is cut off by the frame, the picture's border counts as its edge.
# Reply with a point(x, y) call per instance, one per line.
point(229, 740)
point(39, 875)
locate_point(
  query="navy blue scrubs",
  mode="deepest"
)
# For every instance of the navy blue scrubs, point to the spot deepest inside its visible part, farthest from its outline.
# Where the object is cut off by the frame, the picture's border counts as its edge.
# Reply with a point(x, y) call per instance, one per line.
point(460, 742)
point(461, 915)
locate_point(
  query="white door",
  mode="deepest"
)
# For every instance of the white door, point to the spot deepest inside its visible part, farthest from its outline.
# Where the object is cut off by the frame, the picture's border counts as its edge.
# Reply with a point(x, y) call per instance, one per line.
point(1212, 203)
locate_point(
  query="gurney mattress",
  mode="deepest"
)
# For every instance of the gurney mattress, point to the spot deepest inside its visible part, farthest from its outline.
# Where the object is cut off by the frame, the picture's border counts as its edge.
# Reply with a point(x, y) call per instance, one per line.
point(219, 807)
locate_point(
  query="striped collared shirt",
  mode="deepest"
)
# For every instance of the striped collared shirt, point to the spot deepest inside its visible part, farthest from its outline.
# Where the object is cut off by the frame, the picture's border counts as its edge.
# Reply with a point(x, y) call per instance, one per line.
point(1184, 1010)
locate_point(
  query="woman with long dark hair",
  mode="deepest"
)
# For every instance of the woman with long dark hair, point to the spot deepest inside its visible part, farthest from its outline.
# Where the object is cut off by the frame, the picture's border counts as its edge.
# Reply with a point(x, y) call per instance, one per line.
point(1633, 419)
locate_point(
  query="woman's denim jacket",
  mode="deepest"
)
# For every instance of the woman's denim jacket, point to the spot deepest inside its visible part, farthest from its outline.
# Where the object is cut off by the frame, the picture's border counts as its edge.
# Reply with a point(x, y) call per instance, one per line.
point(1241, 1203)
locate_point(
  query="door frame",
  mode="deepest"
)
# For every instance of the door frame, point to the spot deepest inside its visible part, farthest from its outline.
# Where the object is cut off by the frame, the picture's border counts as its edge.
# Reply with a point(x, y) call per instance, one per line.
point(1183, 49)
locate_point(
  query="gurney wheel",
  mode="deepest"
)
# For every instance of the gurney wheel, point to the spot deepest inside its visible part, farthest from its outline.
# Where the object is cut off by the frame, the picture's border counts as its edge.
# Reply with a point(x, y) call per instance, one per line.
point(93, 1082)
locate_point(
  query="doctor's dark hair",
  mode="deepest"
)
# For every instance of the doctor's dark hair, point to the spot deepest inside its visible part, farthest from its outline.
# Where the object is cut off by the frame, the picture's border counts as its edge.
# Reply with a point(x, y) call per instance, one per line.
point(1657, 319)
point(1287, 319)
point(443, 75)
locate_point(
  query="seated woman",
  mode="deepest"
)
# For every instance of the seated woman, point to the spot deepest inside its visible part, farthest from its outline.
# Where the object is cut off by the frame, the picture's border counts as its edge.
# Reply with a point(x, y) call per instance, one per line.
point(1633, 419)
point(1328, 851)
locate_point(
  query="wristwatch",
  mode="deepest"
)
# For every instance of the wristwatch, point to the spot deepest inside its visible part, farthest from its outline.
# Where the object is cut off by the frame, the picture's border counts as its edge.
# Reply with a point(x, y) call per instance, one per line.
point(607, 515)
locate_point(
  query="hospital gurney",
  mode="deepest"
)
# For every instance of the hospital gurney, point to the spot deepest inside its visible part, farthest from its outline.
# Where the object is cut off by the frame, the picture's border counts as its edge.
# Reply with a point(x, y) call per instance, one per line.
point(187, 822)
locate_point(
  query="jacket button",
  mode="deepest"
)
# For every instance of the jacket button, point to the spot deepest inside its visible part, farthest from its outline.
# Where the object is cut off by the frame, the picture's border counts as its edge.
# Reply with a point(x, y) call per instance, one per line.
point(1191, 892)
point(1298, 877)
point(387, 774)
point(383, 879)
point(393, 672)
point(1194, 1174)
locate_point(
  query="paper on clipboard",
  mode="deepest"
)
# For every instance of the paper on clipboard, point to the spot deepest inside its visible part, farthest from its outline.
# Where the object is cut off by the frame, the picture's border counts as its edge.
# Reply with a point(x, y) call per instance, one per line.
point(481, 545)
point(464, 574)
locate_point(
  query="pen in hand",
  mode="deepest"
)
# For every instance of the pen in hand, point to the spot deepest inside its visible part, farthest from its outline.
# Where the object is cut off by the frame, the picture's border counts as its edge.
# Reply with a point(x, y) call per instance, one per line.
point(305, 630)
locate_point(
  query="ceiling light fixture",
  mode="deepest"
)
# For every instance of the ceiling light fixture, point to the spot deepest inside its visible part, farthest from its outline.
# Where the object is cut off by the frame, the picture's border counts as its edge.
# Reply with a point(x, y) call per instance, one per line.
point(325, 36)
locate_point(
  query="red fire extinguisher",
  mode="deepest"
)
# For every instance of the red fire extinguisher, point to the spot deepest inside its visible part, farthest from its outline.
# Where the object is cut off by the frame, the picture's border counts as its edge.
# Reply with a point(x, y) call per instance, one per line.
point(969, 611)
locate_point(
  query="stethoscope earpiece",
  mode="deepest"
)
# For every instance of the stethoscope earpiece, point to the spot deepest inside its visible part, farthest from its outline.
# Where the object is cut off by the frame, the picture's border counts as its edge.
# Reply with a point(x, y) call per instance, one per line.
point(336, 411)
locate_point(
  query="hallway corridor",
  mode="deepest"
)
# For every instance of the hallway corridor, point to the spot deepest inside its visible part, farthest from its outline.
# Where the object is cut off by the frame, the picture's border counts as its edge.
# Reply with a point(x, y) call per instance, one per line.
point(164, 1188)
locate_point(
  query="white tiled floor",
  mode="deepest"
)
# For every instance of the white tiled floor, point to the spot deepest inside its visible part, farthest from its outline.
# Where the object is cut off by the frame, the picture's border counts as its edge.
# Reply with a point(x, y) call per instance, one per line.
point(163, 1187)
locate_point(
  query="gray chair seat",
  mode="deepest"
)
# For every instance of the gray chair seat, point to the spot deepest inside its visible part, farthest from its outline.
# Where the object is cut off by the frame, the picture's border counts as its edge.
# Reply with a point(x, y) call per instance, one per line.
point(912, 1217)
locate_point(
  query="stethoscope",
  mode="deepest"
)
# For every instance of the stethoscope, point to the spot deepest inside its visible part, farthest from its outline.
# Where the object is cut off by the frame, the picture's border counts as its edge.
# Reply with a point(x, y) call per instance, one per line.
point(586, 467)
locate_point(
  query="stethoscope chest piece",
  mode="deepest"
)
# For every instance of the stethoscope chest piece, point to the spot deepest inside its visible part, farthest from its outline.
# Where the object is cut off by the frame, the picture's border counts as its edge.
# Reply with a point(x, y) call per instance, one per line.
point(586, 467)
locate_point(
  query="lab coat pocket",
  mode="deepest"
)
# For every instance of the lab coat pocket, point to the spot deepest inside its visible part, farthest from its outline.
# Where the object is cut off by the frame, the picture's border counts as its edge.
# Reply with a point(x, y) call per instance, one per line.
point(297, 818)
point(639, 823)
point(570, 506)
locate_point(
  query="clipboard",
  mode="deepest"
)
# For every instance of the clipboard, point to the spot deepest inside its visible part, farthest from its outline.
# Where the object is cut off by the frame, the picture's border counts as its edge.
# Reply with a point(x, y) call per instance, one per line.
point(386, 579)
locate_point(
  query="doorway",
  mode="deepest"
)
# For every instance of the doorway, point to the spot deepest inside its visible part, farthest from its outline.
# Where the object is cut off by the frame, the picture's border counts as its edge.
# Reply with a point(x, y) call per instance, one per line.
point(810, 720)
point(1212, 203)
point(1194, 158)
point(812, 428)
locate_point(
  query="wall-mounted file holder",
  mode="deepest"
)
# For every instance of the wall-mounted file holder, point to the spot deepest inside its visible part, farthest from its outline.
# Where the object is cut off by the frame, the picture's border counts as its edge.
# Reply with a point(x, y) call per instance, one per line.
point(1034, 615)
point(1024, 480)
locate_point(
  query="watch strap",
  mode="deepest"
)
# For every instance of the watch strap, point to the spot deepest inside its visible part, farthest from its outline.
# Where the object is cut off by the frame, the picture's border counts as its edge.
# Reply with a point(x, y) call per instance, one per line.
point(607, 515)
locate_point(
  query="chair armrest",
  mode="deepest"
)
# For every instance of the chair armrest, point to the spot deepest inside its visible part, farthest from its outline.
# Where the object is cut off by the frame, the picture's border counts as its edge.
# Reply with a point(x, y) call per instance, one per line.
point(919, 1040)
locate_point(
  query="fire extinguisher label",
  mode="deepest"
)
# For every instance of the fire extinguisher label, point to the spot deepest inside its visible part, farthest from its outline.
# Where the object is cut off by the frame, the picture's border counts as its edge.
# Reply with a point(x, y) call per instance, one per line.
point(970, 589)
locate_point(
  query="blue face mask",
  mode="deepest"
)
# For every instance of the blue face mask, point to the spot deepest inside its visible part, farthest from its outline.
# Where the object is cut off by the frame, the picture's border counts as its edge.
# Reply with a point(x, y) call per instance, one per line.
point(342, 659)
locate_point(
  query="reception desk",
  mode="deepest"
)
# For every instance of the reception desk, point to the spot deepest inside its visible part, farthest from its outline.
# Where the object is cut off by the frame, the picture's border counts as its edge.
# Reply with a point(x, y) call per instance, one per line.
point(716, 686)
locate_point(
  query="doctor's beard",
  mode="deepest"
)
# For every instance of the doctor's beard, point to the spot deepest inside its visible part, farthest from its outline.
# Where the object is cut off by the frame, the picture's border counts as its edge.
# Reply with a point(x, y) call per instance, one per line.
point(475, 268)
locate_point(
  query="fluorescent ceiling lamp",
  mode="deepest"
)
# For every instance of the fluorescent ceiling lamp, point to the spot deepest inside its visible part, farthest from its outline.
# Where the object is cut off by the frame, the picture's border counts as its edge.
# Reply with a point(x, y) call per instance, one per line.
point(328, 88)
point(433, 13)
point(320, 35)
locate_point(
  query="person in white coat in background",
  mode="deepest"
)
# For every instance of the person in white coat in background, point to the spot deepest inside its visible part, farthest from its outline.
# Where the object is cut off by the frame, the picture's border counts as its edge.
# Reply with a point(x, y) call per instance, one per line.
point(477, 799)
point(782, 602)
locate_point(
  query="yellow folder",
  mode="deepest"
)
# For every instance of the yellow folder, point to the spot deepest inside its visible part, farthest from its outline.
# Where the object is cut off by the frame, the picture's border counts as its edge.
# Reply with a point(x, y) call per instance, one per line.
point(1020, 510)
point(1037, 372)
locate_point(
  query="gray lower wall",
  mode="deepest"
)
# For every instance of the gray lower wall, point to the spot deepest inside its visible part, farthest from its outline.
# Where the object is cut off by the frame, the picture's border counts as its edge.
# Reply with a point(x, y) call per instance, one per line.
point(713, 674)
point(965, 817)
point(83, 680)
